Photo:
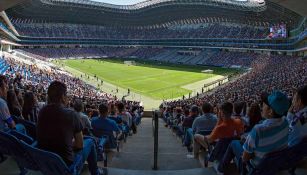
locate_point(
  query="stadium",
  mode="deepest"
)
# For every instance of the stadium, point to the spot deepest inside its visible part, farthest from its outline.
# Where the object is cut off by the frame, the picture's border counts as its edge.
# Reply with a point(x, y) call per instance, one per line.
point(153, 87)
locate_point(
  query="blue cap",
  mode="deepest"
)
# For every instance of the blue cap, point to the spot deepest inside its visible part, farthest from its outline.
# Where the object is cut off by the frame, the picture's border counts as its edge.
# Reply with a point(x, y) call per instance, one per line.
point(279, 102)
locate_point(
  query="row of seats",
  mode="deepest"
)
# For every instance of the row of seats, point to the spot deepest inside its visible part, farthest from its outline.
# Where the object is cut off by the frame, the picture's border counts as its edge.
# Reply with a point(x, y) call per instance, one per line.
point(21, 80)
point(212, 57)
point(272, 163)
point(28, 157)
point(66, 30)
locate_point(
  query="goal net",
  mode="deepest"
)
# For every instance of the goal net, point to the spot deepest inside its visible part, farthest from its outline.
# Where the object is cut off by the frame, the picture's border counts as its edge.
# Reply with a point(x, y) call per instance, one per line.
point(130, 63)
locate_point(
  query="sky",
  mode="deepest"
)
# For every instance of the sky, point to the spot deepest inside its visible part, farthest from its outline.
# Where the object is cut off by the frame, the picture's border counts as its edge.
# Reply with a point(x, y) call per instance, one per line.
point(120, 2)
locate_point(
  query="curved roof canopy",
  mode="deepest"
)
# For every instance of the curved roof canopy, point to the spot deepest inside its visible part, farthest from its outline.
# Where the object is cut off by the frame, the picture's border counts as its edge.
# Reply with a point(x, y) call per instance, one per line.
point(247, 5)
point(5, 4)
point(152, 12)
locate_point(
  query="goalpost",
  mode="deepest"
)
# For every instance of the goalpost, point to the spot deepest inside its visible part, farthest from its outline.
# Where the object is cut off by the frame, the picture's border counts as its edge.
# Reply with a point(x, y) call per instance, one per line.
point(130, 63)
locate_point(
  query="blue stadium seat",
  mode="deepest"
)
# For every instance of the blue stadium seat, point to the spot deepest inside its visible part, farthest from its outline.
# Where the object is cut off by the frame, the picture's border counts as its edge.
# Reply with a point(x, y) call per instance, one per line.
point(101, 148)
point(274, 162)
point(22, 137)
point(11, 146)
point(50, 163)
point(138, 120)
point(102, 155)
point(30, 126)
point(112, 141)
point(217, 150)
point(126, 130)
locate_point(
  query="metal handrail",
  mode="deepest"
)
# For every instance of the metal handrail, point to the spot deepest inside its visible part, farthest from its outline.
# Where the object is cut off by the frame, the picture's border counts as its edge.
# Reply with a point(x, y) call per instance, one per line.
point(155, 122)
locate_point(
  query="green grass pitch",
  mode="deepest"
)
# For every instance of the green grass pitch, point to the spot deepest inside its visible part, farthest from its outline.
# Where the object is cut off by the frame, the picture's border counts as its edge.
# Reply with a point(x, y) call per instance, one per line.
point(153, 80)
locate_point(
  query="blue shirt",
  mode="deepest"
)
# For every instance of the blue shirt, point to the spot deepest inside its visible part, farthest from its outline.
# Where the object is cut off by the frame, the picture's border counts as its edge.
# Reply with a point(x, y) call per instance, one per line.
point(269, 136)
point(100, 124)
point(5, 115)
point(205, 122)
point(298, 130)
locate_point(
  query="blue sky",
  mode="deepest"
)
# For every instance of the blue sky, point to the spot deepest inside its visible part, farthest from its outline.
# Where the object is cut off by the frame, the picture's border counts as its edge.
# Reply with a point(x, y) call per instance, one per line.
point(120, 2)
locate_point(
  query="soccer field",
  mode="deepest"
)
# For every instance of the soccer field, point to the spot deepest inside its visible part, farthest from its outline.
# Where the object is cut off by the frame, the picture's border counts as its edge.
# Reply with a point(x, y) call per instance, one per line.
point(152, 80)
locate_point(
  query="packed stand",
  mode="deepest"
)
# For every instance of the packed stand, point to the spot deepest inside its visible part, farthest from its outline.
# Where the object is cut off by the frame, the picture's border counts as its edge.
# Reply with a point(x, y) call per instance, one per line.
point(267, 73)
point(47, 110)
point(211, 57)
point(230, 59)
point(64, 53)
point(85, 31)
point(249, 121)
point(254, 136)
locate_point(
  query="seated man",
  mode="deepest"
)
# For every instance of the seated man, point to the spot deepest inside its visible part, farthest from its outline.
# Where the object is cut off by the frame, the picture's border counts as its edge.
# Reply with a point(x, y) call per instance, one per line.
point(113, 115)
point(167, 115)
point(124, 115)
point(205, 122)
point(188, 121)
point(226, 127)
point(102, 125)
point(59, 130)
point(85, 121)
point(177, 124)
point(269, 136)
point(237, 110)
point(297, 116)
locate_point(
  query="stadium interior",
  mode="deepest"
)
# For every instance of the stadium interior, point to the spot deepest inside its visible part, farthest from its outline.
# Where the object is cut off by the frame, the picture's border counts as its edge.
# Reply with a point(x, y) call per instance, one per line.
point(159, 87)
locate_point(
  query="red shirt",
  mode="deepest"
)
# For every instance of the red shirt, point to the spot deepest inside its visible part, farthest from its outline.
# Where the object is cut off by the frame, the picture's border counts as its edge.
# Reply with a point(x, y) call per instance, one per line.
point(227, 128)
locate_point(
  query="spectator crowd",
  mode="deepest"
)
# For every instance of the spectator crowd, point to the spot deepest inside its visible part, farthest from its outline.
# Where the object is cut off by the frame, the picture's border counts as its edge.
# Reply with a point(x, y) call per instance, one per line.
point(66, 30)
point(261, 112)
point(71, 117)
point(258, 113)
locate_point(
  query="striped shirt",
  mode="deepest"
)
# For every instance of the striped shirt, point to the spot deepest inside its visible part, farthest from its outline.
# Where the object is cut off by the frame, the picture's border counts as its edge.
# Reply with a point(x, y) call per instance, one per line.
point(298, 129)
point(269, 136)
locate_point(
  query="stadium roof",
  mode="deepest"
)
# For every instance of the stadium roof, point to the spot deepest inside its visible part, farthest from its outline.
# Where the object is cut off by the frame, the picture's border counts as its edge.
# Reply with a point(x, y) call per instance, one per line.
point(247, 5)
point(120, 2)
point(299, 6)
point(5, 4)
point(152, 12)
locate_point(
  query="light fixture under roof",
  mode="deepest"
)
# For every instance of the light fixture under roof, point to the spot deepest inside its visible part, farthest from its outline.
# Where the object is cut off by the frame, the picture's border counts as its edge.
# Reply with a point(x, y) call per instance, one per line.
point(120, 2)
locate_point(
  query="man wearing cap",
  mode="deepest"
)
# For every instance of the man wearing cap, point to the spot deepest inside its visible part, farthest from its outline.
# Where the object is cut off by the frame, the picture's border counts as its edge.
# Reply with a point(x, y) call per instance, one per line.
point(297, 116)
point(269, 136)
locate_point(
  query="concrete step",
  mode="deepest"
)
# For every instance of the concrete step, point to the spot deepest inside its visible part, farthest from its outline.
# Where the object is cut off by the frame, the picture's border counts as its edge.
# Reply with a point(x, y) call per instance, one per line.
point(197, 171)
